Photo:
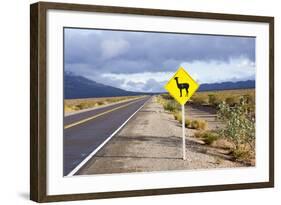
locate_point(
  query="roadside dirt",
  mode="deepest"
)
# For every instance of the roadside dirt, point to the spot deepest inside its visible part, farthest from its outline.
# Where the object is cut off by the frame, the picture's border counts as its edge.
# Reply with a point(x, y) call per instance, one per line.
point(151, 141)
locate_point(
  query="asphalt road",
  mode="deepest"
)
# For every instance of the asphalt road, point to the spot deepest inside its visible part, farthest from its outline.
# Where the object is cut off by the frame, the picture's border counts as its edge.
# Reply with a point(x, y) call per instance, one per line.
point(85, 132)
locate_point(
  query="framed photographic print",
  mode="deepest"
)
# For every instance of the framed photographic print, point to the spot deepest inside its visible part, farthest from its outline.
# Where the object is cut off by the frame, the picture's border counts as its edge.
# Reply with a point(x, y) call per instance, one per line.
point(134, 102)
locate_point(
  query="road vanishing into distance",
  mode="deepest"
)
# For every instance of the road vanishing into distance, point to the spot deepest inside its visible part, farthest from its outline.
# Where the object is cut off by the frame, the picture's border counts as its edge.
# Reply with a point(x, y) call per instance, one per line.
point(86, 132)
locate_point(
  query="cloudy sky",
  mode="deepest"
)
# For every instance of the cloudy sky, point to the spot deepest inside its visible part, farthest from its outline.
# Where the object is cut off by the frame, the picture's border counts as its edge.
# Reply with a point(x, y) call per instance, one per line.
point(145, 61)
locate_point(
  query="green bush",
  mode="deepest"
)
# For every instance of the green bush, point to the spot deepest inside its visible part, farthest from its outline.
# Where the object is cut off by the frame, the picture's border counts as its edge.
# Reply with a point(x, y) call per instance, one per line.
point(196, 124)
point(239, 123)
point(170, 106)
point(208, 136)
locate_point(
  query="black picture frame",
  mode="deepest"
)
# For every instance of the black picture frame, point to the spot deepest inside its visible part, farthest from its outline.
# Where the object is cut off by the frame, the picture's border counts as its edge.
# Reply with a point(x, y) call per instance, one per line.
point(38, 102)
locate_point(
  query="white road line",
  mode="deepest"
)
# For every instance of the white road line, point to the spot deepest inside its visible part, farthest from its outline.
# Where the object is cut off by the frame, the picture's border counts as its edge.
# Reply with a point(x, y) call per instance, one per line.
point(99, 147)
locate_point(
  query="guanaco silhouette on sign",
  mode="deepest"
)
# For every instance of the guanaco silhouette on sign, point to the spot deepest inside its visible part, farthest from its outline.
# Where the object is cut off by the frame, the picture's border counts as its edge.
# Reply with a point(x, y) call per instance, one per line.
point(182, 86)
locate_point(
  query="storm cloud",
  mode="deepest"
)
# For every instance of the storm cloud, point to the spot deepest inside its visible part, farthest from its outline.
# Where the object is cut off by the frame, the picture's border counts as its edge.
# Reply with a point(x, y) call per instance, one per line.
point(142, 61)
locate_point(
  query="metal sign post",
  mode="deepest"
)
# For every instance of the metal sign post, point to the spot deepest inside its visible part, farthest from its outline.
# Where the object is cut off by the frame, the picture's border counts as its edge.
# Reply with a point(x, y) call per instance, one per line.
point(182, 86)
point(183, 133)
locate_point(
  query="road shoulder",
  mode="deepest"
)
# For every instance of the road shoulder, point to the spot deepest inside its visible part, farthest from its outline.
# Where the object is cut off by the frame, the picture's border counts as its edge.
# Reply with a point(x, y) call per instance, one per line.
point(151, 142)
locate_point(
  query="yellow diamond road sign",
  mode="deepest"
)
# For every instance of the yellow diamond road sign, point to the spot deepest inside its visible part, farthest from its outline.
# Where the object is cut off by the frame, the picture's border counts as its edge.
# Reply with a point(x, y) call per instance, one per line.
point(181, 86)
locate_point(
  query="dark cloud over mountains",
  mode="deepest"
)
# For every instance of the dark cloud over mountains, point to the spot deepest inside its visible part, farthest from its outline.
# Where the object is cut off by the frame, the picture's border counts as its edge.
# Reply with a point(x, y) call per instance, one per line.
point(92, 53)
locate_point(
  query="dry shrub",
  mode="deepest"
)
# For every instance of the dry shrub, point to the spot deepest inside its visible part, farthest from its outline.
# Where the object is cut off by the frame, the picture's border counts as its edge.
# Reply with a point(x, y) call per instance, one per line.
point(194, 124)
point(223, 143)
point(68, 109)
point(203, 125)
point(177, 116)
point(207, 136)
point(167, 97)
point(199, 124)
point(188, 123)
point(232, 101)
point(200, 99)
point(198, 134)
point(170, 106)
point(215, 99)
point(244, 153)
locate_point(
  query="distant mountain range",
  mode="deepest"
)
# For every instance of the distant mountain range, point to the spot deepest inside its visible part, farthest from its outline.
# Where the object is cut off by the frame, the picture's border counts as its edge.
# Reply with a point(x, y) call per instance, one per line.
point(81, 87)
point(228, 85)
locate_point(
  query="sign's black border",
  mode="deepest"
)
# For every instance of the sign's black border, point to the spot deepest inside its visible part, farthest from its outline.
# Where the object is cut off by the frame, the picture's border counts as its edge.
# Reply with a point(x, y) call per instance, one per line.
point(38, 95)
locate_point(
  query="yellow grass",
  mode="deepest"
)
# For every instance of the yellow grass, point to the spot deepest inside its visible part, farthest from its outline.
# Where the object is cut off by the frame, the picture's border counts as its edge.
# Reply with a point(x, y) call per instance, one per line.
point(229, 96)
point(71, 105)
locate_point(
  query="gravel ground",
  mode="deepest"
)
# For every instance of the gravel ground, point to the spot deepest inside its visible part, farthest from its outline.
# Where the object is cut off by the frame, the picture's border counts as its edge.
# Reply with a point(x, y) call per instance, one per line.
point(151, 142)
